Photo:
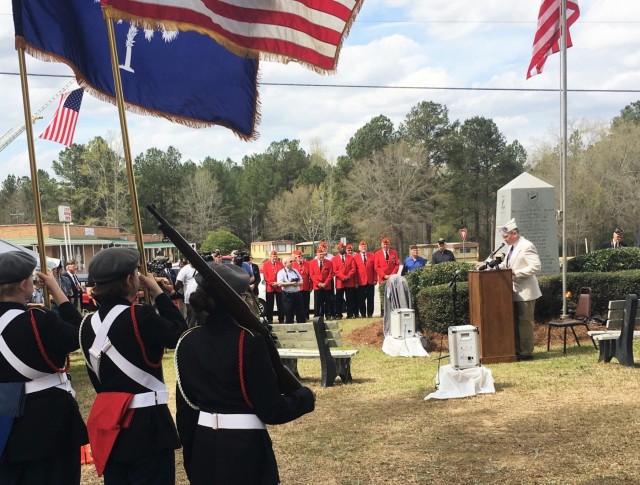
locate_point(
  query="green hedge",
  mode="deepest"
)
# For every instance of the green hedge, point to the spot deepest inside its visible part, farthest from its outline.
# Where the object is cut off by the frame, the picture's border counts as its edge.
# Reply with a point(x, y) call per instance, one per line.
point(434, 304)
point(606, 260)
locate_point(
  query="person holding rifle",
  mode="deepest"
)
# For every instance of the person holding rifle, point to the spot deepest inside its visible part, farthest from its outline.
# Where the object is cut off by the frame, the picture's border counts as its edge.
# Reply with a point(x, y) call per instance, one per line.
point(228, 392)
point(131, 431)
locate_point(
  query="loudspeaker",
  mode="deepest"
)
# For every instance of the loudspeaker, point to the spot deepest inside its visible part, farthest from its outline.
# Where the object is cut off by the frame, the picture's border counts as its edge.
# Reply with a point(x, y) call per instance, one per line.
point(402, 323)
point(464, 350)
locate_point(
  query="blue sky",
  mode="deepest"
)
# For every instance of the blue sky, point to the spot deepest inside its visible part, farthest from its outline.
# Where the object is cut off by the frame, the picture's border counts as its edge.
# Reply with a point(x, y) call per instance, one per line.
point(395, 43)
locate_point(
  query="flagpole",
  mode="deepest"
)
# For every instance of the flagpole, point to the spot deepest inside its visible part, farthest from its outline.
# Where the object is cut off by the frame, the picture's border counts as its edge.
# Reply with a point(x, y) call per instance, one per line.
point(35, 185)
point(563, 146)
point(125, 142)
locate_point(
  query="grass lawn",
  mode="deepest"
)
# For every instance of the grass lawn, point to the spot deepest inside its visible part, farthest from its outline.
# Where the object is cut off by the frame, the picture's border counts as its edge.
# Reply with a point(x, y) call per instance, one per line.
point(554, 420)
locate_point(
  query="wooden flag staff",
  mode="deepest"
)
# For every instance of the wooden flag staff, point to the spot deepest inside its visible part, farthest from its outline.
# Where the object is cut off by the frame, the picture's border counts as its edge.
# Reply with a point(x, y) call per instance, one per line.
point(125, 142)
point(35, 185)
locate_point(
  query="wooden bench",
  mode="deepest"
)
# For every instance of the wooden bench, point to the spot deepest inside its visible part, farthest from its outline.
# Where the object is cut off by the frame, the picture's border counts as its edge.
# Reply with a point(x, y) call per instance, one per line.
point(617, 340)
point(317, 340)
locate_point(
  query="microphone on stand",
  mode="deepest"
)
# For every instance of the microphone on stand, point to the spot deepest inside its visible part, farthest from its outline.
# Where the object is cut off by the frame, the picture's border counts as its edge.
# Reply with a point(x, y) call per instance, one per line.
point(490, 259)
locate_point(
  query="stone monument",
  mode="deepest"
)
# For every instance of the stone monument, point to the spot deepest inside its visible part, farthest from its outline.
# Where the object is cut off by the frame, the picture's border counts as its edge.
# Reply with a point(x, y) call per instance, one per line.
point(532, 203)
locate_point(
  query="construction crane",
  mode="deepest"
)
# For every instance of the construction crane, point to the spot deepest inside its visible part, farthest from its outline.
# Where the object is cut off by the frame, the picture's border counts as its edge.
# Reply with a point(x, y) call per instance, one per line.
point(14, 132)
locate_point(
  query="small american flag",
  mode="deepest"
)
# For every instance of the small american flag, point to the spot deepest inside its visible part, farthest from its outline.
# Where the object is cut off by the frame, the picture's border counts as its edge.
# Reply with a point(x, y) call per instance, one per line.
point(307, 31)
point(63, 125)
point(546, 41)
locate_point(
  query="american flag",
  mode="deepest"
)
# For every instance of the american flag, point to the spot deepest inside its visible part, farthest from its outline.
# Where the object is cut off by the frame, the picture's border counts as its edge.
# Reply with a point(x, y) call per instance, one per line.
point(307, 31)
point(546, 41)
point(63, 125)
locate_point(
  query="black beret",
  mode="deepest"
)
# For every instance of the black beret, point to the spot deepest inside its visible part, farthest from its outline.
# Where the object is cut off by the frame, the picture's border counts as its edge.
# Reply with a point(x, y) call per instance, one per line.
point(235, 276)
point(16, 266)
point(112, 264)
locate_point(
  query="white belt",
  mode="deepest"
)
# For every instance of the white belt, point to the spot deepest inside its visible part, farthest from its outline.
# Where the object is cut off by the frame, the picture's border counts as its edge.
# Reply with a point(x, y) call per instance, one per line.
point(147, 399)
point(230, 421)
point(59, 380)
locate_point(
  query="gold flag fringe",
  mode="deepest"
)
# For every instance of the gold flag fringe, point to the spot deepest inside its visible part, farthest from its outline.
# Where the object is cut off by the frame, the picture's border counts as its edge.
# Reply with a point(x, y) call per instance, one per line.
point(137, 109)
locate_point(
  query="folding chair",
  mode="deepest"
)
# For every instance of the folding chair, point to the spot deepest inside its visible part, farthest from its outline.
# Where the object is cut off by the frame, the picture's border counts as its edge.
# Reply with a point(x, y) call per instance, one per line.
point(582, 317)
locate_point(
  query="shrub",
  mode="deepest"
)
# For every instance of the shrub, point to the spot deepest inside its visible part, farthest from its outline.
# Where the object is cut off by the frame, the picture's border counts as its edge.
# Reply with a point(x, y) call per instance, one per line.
point(434, 304)
point(606, 261)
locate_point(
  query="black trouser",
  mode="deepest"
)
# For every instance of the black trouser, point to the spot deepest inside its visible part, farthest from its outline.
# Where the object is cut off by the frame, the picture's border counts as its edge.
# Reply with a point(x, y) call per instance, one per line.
point(352, 304)
point(321, 302)
point(268, 309)
point(158, 468)
point(365, 300)
point(293, 305)
point(63, 468)
point(306, 298)
point(339, 302)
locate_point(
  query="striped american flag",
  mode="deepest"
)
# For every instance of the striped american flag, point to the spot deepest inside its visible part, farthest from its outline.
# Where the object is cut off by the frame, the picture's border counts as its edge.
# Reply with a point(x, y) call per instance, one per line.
point(307, 31)
point(63, 125)
point(546, 41)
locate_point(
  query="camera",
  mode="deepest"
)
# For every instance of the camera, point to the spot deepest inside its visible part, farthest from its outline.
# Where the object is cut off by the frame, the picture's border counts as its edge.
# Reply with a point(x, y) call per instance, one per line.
point(156, 267)
point(240, 257)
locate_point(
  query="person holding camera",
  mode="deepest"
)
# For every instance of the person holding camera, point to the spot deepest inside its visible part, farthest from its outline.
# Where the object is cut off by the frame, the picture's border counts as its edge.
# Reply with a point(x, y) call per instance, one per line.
point(290, 281)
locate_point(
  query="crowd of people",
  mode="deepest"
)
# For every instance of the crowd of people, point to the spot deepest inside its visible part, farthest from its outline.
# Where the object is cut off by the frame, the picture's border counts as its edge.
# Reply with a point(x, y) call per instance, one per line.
point(227, 389)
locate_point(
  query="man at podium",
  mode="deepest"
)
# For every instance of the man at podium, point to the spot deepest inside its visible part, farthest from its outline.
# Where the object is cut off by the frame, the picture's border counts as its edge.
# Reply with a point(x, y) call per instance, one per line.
point(523, 261)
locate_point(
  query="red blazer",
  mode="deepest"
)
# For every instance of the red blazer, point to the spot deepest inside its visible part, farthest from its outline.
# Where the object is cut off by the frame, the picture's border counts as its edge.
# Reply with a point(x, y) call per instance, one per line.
point(365, 275)
point(344, 271)
point(303, 269)
point(384, 267)
point(270, 272)
point(326, 276)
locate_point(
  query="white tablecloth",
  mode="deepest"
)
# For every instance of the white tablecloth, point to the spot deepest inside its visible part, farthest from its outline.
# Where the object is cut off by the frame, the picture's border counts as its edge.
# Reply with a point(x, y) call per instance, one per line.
point(403, 347)
point(463, 382)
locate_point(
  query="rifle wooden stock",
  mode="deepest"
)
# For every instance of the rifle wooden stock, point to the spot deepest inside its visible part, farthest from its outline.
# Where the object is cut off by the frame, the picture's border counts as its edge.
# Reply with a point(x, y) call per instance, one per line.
point(287, 382)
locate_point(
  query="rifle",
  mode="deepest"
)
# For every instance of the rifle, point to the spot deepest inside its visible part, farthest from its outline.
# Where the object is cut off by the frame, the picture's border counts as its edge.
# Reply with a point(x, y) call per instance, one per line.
point(287, 382)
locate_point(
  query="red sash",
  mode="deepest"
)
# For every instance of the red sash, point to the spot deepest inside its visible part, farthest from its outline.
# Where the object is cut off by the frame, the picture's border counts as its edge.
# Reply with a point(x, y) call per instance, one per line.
point(109, 414)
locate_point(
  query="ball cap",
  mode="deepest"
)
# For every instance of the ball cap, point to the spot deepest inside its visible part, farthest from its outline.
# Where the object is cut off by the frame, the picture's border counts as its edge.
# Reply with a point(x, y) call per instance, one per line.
point(509, 226)
point(349, 246)
point(236, 277)
point(319, 251)
point(112, 264)
point(441, 240)
point(297, 252)
point(16, 266)
point(341, 244)
point(385, 240)
point(274, 253)
point(619, 231)
point(363, 243)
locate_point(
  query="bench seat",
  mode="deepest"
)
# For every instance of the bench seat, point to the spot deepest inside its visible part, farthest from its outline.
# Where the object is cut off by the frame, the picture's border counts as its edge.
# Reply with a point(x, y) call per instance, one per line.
point(617, 340)
point(317, 340)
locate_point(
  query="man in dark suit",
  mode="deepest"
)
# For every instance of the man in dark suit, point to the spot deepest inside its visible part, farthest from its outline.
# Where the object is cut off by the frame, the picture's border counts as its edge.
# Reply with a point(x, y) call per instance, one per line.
point(616, 241)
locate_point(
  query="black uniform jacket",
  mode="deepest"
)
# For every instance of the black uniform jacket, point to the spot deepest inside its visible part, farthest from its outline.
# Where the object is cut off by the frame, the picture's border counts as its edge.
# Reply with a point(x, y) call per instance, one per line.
point(51, 422)
point(152, 428)
point(209, 369)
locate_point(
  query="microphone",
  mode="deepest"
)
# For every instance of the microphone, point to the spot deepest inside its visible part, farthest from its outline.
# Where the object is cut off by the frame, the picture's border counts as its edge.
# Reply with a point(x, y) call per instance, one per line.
point(494, 252)
point(496, 261)
point(490, 262)
point(455, 278)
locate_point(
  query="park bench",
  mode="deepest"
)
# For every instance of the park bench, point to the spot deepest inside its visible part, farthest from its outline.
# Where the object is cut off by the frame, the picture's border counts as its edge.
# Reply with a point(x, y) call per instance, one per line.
point(617, 340)
point(317, 340)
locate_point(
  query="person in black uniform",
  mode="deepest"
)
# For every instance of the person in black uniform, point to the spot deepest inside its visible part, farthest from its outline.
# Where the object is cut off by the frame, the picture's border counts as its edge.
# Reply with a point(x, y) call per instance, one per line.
point(44, 435)
point(123, 345)
point(227, 392)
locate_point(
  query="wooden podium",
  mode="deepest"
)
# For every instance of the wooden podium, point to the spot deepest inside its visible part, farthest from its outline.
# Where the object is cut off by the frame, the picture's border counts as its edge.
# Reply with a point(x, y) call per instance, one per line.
point(491, 310)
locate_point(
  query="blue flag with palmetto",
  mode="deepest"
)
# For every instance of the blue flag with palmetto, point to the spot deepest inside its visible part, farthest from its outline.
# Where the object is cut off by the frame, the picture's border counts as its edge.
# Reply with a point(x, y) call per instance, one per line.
point(183, 76)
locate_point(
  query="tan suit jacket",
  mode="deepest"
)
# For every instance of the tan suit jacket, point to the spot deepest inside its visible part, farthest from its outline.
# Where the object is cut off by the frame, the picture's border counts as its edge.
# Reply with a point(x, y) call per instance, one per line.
point(524, 263)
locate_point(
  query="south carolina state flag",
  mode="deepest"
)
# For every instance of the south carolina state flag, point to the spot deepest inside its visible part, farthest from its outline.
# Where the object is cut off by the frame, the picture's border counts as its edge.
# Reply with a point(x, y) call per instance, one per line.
point(185, 77)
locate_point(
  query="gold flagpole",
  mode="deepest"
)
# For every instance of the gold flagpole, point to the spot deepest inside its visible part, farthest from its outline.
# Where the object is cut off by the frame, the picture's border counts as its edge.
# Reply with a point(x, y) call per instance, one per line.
point(125, 141)
point(35, 185)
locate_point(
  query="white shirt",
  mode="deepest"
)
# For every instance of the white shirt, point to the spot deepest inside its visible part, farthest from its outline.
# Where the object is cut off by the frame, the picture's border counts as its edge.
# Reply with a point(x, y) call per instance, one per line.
point(187, 275)
point(285, 276)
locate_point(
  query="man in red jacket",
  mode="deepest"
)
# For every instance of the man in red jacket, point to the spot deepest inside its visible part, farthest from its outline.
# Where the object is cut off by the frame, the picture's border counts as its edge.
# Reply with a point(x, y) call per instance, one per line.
point(273, 291)
point(321, 272)
point(365, 280)
point(302, 267)
point(344, 269)
point(386, 261)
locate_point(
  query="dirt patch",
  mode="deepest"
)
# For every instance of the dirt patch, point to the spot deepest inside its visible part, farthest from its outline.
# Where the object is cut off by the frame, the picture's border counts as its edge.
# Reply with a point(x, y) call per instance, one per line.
point(371, 336)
